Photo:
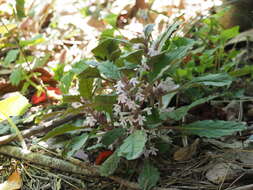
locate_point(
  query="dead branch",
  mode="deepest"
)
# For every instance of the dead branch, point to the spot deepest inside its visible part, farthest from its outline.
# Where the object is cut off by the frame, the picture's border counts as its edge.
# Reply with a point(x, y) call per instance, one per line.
point(71, 167)
point(37, 129)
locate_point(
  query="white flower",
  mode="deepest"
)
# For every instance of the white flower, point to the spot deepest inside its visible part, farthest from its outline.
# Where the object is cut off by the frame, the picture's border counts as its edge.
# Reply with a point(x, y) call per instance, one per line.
point(140, 119)
point(117, 109)
point(148, 110)
point(132, 105)
point(122, 98)
point(151, 151)
point(130, 120)
point(119, 87)
point(167, 85)
point(139, 97)
point(90, 120)
point(134, 81)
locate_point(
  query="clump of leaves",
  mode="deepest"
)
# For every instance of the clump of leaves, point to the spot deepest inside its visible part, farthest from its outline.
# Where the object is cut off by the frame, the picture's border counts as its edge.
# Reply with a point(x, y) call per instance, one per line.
point(126, 93)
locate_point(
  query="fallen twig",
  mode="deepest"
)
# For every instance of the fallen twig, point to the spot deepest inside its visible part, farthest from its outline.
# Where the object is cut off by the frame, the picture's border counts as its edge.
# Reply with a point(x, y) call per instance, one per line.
point(37, 129)
point(63, 165)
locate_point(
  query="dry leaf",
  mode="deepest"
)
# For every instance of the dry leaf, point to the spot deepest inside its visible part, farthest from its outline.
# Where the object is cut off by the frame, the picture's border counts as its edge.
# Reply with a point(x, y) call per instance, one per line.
point(14, 182)
point(186, 153)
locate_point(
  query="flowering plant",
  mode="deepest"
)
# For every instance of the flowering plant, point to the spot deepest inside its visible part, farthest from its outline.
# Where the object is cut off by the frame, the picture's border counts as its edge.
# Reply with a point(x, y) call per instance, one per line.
point(129, 95)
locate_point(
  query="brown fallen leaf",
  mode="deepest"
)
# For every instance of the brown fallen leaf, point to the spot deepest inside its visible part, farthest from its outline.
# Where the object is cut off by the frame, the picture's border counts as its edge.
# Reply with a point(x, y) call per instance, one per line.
point(187, 152)
point(14, 182)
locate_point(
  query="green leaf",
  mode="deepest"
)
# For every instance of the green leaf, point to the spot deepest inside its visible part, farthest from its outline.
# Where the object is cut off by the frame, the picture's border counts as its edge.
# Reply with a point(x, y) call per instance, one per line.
point(133, 145)
point(16, 76)
point(104, 103)
point(32, 42)
point(111, 136)
point(109, 70)
point(110, 165)
point(162, 62)
point(14, 105)
point(85, 87)
point(133, 57)
point(105, 49)
point(148, 29)
point(153, 120)
point(11, 56)
point(111, 19)
point(229, 33)
point(149, 176)
point(79, 67)
point(219, 79)
point(71, 98)
point(179, 113)
point(66, 81)
point(75, 144)
point(166, 99)
point(159, 43)
point(20, 4)
point(213, 128)
point(60, 130)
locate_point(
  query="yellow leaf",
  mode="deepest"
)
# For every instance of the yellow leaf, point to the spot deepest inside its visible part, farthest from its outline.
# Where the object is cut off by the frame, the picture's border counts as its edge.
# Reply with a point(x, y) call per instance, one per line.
point(14, 182)
point(14, 105)
point(6, 28)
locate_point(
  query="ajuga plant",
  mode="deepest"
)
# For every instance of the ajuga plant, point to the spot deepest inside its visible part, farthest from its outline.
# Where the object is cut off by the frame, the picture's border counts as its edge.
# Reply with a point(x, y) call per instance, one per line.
point(134, 94)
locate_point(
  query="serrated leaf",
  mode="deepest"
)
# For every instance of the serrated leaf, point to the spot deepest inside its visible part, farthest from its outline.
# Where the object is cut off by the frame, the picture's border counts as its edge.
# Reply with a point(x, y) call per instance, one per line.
point(75, 144)
point(133, 145)
point(20, 8)
point(104, 103)
point(219, 79)
point(179, 113)
point(149, 176)
point(16, 76)
point(111, 136)
point(213, 128)
point(11, 56)
point(59, 131)
point(109, 70)
point(110, 165)
point(14, 105)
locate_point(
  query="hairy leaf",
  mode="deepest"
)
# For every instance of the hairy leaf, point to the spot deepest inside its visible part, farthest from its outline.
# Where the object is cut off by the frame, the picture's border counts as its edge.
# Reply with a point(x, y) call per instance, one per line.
point(179, 113)
point(11, 56)
point(75, 144)
point(133, 145)
point(59, 131)
point(110, 165)
point(213, 128)
point(112, 135)
point(149, 176)
point(109, 70)
point(219, 79)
